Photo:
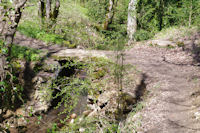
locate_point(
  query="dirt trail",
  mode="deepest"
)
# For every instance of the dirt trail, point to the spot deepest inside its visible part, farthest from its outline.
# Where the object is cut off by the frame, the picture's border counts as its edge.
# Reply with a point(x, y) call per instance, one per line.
point(169, 108)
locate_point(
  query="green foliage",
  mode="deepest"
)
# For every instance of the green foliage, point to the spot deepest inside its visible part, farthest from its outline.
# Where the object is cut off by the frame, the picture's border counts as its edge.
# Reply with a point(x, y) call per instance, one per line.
point(141, 35)
point(22, 52)
point(32, 29)
point(91, 125)
point(71, 88)
point(154, 16)
point(11, 90)
point(174, 32)
point(97, 10)
point(70, 92)
point(53, 129)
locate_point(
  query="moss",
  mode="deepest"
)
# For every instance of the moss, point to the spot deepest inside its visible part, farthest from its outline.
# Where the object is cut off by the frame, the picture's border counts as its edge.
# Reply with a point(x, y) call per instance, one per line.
point(99, 74)
point(180, 44)
point(68, 44)
point(50, 67)
point(16, 64)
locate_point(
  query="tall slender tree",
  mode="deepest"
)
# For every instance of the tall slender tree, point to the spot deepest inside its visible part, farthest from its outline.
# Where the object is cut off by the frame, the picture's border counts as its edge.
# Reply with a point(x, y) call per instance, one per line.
point(47, 16)
point(110, 14)
point(132, 20)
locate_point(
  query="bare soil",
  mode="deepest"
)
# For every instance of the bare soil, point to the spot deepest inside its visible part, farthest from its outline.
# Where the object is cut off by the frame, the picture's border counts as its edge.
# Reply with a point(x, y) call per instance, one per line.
point(172, 77)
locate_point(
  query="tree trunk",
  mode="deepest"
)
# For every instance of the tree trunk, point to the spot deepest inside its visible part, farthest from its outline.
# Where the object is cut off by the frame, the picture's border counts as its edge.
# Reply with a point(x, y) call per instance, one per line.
point(132, 20)
point(55, 14)
point(190, 15)
point(41, 10)
point(109, 15)
point(160, 14)
point(9, 30)
point(56, 9)
point(2, 20)
point(48, 9)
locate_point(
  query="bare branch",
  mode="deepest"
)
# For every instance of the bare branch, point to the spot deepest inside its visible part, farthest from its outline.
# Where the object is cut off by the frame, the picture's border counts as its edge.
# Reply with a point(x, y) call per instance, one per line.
point(20, 4)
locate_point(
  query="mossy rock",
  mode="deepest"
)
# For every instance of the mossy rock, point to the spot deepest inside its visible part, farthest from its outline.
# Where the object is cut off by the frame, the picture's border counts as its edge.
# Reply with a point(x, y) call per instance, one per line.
point(50, 68)
point(68, 44)
point(99, 74)
point(180, 44)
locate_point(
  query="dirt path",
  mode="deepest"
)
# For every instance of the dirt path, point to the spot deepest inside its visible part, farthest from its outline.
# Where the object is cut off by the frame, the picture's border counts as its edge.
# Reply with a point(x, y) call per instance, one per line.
point(169, 108)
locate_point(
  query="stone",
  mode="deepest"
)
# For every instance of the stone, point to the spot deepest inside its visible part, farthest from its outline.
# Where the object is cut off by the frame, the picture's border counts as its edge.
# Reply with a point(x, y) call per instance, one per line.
point(8, 114)
point(81, 130)
point(20, 112)
point(87, 112)
point(80, 53)
point(73, 116)
point(197, 42)
point(21, 121)
point(188, 42)
point(162, 43)
point(128, 98)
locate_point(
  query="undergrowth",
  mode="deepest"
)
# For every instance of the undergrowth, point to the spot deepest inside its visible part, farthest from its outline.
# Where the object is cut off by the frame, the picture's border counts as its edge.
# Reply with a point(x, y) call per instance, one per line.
point(25, 53)
point(32, 29)
point(74, 28)
point(176, 32)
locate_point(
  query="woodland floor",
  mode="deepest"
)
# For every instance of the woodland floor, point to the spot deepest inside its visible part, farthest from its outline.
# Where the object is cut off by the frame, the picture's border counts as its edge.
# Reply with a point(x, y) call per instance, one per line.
point(172, 79)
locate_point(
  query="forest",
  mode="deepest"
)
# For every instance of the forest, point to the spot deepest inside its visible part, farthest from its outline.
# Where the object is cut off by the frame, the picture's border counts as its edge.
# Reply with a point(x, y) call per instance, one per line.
point(99, 66)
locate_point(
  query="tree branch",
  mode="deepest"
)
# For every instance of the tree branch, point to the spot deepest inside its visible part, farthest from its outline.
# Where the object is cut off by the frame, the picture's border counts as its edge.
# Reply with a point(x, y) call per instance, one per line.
point(20, 4)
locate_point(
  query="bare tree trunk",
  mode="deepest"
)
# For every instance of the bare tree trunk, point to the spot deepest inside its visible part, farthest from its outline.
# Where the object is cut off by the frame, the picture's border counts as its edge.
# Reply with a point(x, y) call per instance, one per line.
point(2, 20)
point(55, 14)
point(109, 15)
point(48, 9)
point(48, 17)
point(132, 20)
point(160, 14)
point(190, 16)
point(56, 9)
point(41, 11)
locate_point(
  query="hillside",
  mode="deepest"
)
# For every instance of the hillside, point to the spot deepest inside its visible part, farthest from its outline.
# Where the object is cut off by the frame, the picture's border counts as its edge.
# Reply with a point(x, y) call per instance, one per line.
point(99, 66)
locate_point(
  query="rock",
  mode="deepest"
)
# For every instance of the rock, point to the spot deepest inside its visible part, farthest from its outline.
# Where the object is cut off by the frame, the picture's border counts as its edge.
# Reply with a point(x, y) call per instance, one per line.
point(128, 98)
point(81, 130)
point(8, 114)
point(93, 106)
point(188, 42)
point(197, 42)
point(93, 113)
point(40, 99)
point(21, 121)
point(71, 119)
point(20, 112)
point(73, 116)
point(162, 43)
point(106, 96)
point(90, 100)
point(51, 66)
point(197, 115)
point(80, 53)
point(87, 112)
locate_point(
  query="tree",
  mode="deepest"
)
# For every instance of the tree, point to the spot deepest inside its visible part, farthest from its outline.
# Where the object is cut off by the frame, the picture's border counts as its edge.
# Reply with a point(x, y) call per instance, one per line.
point(110, 14)
point(10, 14)
point(132, 20)
point(46, 14)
